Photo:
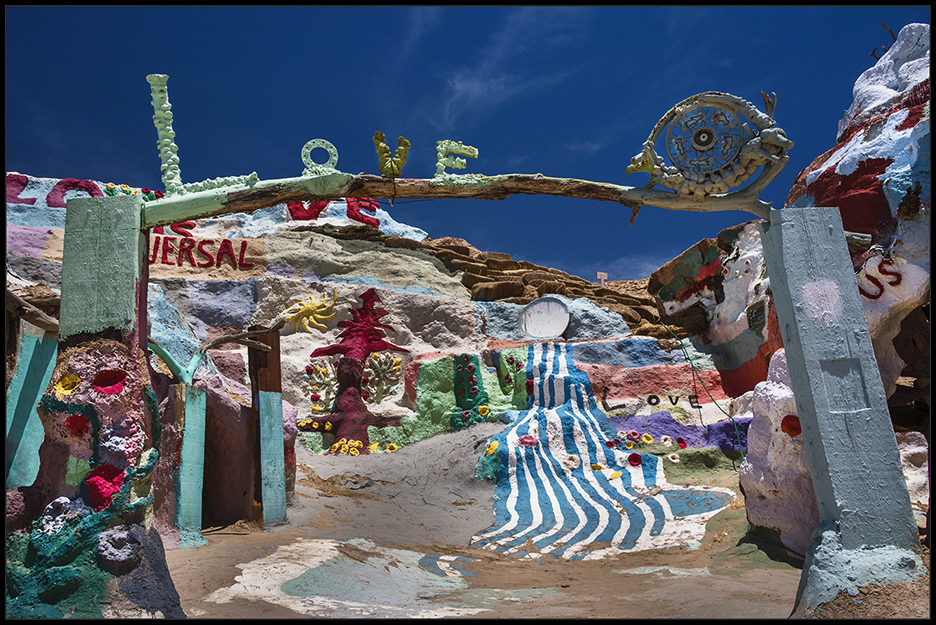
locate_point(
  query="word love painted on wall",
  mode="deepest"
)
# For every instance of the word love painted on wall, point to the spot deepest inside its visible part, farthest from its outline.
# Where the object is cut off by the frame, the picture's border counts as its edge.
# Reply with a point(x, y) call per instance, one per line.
point(198, 253)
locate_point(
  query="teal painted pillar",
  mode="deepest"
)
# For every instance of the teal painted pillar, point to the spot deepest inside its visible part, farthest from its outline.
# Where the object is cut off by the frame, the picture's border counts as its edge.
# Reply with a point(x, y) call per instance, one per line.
point(190, 404)
point(267, 392)
point(103, 261)
point(24, 430)
point(867, 532)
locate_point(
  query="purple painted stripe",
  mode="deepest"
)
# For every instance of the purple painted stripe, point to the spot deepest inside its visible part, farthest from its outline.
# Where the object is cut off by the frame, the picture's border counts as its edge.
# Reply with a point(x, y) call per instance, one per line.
point(27, 240)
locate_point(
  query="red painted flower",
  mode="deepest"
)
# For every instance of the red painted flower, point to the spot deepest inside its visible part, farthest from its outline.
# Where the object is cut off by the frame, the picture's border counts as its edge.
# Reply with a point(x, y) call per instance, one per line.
point(470, 368)
point(634, 459)
point(365, 379)
point(110, 381)
point(529, 387)
point(508, 379)
point(791, 425)
point(510, 360)
point(609, 444)
point(681, 443)
point(315, 397)
point(77, 424)
point(158, 194)
point(617, 443)
point(103, 482)
point(365, 395)
point(473, 390)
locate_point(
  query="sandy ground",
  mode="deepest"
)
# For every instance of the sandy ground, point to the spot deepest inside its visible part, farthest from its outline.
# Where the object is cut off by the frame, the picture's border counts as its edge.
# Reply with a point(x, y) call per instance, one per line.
point(388, 535)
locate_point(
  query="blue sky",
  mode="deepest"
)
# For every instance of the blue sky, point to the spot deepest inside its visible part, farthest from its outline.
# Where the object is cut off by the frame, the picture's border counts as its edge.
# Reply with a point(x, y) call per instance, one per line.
point(562, 91)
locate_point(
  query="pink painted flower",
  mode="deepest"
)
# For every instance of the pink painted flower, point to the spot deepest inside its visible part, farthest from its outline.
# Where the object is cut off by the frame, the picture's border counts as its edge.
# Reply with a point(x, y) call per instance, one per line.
point(633, 435)
point(459, 367)
point(470, 368)
point(466, 414)
point(527, 440)
point(473, 390)
point(634, 459)
point(510, 360)
point(103, 482)
point(508, 379)
point(110, 381)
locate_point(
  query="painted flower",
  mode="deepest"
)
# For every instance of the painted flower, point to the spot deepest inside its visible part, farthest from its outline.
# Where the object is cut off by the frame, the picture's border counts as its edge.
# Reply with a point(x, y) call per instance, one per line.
point(460, 368)
point(465, 357)
point(77, 424)
point(529, 387)
point(375, 356)
point(647, 439)
point(111, 186)
point(609, 444)
point(519, 366)
point(365, 380)
point(353, 451)
point(491, 448)
point(328, 425)
point(628, 444)
point(466, 414)
point(666, 440)
point(622, 434)
point(145, 191)
point(461, 392)
point(316, 409)
point(309, 370)
point(508, 379)
point(617, 442)
point(343, 441)
point(315, 397)
point(791, 425)
point(315, 424)
point(483, 410)
point(110, 381)
point(527, 440)
point(634, 459)
point(473, 390)
point(673, 457)
point(614, 475)
point(392, 447)
point(470, 369)
point(681, 443)
point(365, 395)
point(373, 447)
point(397, 362)
point(473, 380)
point(66, 385)
point(596, 467)
point(124, 188)
point(634, 435)
point(344, 449)
point(158, 194)
point(510, 360)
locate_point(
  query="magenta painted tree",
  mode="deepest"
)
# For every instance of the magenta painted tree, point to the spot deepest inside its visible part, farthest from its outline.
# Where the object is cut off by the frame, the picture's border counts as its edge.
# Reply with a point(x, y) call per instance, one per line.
point(363, 335)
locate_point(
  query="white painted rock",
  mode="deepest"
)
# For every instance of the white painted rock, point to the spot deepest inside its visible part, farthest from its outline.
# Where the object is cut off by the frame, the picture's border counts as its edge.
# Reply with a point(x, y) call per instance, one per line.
point(774, 475)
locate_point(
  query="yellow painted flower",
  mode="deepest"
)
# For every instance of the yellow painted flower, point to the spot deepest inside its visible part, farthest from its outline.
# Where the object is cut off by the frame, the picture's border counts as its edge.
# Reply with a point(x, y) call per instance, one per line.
point(375, 356)
point(647, 439)
point(334, 448)
point(392, 447)
point(596, 467)
point(66, 385)
point(344, 449)
point(136, 192)
point(628, 444)
point(491, 448)
point(483, 410)
point(615, 475)
point(397, 361)
point(111, 186)
point(124, 187)
point(316, 409)
point(396, 367)
point(355, 443)
point(305, 423)
point(313, 387)
point(328, 425)
point(343, 441)
point(353, 451)
point(315, 424)
point(374, 446)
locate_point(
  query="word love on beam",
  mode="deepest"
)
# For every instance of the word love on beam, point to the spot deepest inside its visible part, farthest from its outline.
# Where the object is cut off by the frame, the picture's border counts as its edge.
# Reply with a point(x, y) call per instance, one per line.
point(714, 142)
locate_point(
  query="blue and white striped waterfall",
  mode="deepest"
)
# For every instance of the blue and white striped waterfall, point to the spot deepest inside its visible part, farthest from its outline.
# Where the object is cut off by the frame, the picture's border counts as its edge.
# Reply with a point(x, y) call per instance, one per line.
point(550, 500)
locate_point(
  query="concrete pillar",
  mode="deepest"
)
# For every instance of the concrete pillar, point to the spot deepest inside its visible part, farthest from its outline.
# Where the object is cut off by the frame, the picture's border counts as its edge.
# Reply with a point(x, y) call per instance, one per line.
point(867, 532)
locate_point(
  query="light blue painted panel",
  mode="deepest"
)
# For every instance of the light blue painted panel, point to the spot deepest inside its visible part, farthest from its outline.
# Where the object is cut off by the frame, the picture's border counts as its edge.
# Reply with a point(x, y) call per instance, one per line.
point(191, 471)
point(24, 431)
point(272, 457)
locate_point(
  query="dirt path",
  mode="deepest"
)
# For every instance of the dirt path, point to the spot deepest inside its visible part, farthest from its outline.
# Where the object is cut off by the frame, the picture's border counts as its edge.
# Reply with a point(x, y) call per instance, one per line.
point(388, 535)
